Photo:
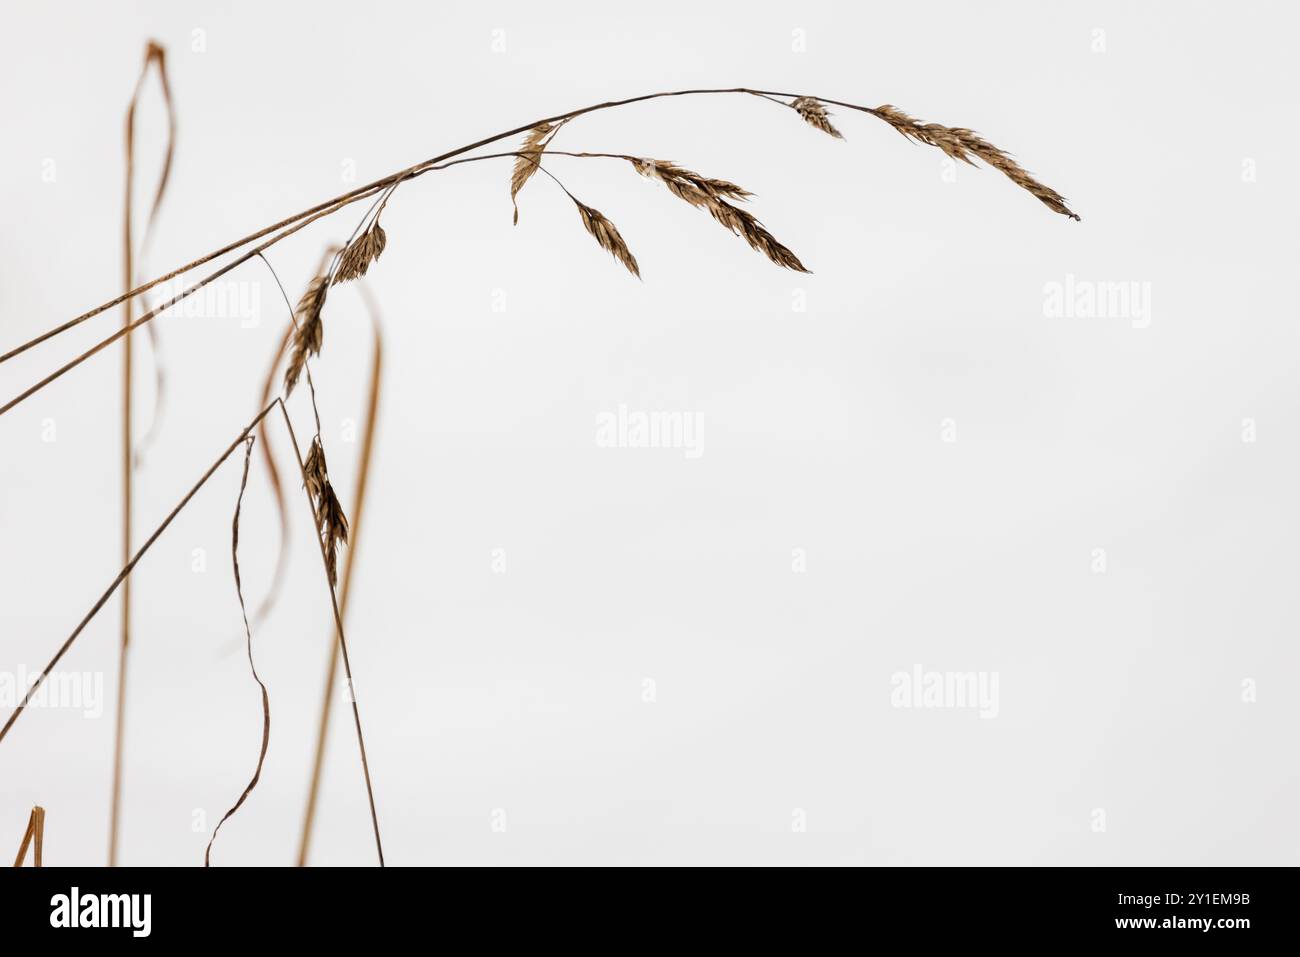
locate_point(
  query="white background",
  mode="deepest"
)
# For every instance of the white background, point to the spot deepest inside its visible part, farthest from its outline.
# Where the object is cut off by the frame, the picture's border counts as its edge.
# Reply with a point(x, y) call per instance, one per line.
point(522, 692)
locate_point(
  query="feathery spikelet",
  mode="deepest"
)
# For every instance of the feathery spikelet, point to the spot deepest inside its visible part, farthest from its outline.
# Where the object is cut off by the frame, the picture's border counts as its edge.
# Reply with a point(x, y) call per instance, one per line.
point(814, 114)
point(331, 523)
point(684, 184)
point(315, 473)
point(361, 252)
point(742, 223)
point(607, 235)
point(526, 163)
point(961, 144)
point(309, 331)
point(712, 194)
point(333, 526)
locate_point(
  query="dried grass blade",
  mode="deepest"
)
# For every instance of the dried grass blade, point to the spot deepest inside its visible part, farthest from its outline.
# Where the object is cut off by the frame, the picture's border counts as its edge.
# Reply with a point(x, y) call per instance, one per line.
point(153, 56)
point(248, 634)
point(35, 833)
point(156, 54)
point(277, 489)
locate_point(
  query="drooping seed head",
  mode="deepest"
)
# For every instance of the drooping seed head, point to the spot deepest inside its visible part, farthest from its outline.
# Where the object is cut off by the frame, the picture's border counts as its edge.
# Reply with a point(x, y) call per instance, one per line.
point(814, 114)
point(606, 233)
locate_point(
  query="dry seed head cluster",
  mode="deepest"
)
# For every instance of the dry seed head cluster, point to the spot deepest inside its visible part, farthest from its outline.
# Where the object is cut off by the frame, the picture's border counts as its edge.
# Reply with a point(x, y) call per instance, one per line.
point(309, 331)
point(607, 235)
point(961, 144)
point(704, 193)
point(526, 163)
point(692, 187)
point(360, 253)
point(814, 114)
point(331, 523)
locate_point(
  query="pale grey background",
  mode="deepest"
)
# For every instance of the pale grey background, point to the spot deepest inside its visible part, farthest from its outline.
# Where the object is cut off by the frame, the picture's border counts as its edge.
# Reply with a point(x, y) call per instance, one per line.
point(523, 691)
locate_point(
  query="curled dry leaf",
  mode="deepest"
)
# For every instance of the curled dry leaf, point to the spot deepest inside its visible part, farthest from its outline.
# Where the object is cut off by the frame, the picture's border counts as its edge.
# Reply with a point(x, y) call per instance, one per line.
point(360, 253)
point(526, 163)
point(607, 235)
point(704, 193)
point(961, 144)
point(309, 331)
point(248, 634)
point(814, 114)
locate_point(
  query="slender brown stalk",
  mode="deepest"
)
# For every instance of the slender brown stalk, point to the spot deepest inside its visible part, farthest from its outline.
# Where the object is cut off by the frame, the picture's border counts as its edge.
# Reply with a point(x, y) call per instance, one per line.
point(129, 567)
point(35, 833)
point(345, 589)
point(952, 141)
point(410, 172)
point(149, 316)
point(313, 481)
point(343, 644)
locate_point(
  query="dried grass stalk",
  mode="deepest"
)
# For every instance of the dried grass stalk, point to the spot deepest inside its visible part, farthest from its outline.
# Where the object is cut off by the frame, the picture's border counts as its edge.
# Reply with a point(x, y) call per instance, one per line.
point(309, 331)
point(301, 219)
point(607, 235)
point(129, 567)
point(360, 253)
point(349, 565)
point(961, 144)
point(277, 487)
point(35, 833)
point(343, 642)
point(814, 114)
point(154, 55)
point(527, 162)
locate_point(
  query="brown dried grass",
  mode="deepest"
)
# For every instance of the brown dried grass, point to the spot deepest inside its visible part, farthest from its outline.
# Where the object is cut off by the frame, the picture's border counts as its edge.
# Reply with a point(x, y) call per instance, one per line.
point(717, 196)
point(814, 114)
point(705, 193)
point(309, 331)
point(527, 162)
point(607, 235)
point(248, 634)
point(962, 144)
point(35, 834)
point(360, 253)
